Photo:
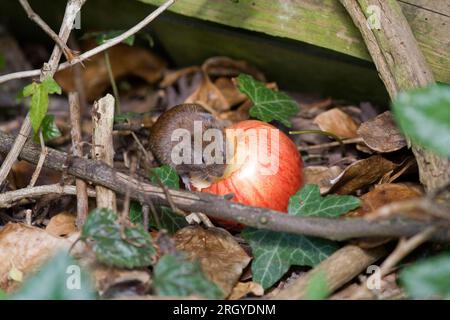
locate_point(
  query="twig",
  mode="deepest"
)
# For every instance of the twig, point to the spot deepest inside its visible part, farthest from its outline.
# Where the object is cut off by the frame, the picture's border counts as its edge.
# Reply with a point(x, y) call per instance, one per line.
point(75, 132)
point(331, 144)
point(108, 44)
point(44, 26)
point(8, 198)
point(402, 66)
point(48, 70)
point(325, 133)
point(102, 145)
point(404, 247)
point(112, 81)
point(219, 208)
point(40, 163)
point(338, 269)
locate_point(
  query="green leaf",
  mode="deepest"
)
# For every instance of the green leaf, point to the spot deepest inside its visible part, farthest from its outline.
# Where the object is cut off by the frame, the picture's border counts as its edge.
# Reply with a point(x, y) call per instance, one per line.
point(424, 116)
point(39, 100)
point(51, 86)
point(308, 202)
point(275, 252)
point(177, 277)
point(428, 279)
point(61, 278)
point(3, 295)
point(167, 175)
point(49, 129)
point(317, 287)
point(167, 219)
point(268, 105)
point(135, 249)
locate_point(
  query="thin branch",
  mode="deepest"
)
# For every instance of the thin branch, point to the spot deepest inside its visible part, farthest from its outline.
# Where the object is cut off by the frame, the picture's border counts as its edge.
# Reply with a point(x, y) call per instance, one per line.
point(404, 248)
point(331, 144)
point(48, 70)
point(45, 27)
point(7, 199)
point(220, 208)
point(40, 163)
point(338, 269)
point(75, 132)
point(108, 44)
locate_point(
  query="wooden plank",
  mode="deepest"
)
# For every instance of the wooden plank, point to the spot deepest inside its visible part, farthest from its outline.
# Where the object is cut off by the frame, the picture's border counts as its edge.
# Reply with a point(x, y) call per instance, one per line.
point(325, 23)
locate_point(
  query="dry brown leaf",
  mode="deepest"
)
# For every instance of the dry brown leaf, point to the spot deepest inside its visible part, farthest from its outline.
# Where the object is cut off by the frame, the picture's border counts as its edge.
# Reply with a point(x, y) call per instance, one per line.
point(337, 122)
point(209, 96)
point(361, 174)
point(62, 224)
point(227, 67)
point(22, 172)
point(172, 76)
point(243, 289)
point(26, 248)
point(381, 134)
point(321, 175)
point(125, 61)
point(230, 91)
point(384, 194)
point(220, 255)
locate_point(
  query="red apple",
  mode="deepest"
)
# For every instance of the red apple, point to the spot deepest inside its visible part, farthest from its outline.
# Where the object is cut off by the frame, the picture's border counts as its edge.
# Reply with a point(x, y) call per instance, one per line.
point(269, 171)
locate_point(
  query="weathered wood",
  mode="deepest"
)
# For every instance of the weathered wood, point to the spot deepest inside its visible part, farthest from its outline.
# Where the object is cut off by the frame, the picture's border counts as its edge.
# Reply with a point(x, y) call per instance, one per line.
point(402, 67)
point(338, 269)
point(325, 24)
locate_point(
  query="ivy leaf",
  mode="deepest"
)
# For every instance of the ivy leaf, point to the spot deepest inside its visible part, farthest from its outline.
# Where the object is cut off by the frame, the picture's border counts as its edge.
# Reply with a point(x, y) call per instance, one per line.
point(428, 279)
point(275, 252)
point(3, 295)
point(61, 278)
point(167, 219)
point(178, 277)
point(124, 116)
point(424, 116)
point(309, 203)
point(134, 250)
point(167, 175)
point(49, 129)
point(268, 105)
point(39, 100)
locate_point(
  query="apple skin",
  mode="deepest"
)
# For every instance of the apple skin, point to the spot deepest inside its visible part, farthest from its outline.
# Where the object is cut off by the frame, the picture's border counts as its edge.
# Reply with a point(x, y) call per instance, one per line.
point(271, 191)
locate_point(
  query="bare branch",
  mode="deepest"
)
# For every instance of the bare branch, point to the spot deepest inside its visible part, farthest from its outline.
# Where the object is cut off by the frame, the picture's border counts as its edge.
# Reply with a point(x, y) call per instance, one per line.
point(108, 44)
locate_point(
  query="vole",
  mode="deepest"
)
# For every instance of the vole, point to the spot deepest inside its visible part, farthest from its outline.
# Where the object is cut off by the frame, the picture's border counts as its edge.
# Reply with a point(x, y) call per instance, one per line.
point(168, 142)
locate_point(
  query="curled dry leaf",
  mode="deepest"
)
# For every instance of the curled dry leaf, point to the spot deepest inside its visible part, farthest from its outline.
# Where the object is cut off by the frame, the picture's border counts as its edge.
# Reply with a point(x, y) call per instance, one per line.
point(384, 194)
point(321, 175)
point(26, 248)
point(125, 61)
point(361, 174)
point(230, 91)
point(381, 134)
point(337, 122)
point(243, 289)
point(62, 224)
point(172, 76)
point(209, 96)
point(227, 67)
point(220, 255)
